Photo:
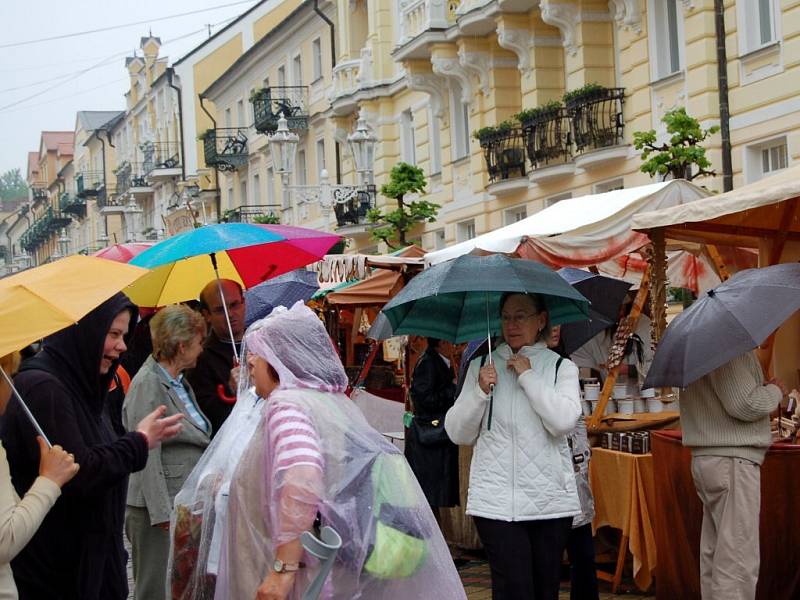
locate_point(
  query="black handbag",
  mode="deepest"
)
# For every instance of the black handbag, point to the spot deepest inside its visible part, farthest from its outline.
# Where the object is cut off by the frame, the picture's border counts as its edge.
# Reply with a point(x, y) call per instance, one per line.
point(430, 431)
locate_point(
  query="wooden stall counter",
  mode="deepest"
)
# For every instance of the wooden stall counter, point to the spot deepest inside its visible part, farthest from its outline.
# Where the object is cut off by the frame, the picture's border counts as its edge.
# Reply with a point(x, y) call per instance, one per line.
point(678, 517)
point(623, 489)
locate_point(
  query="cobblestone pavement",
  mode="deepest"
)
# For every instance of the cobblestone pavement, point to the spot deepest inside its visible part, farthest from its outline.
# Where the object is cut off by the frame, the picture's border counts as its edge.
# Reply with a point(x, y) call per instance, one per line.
point(478, 585)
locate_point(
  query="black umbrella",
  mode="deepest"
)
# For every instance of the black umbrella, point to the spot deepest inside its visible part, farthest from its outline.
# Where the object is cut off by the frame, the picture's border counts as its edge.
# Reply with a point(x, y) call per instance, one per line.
point(724, 323)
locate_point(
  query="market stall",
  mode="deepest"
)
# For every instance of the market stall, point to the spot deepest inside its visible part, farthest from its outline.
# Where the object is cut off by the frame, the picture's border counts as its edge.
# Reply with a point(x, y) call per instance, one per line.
point(761, 216)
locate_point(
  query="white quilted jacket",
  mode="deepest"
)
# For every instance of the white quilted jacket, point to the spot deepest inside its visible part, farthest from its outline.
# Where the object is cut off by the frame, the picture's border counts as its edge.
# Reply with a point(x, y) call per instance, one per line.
point(521, 467)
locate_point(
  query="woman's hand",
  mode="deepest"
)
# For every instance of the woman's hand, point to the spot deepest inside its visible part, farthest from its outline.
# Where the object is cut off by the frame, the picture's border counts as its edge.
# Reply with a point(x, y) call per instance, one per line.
point(276, 586)
point(56, 464)
point(519, 363)
point(487, 377)
point(157, 429)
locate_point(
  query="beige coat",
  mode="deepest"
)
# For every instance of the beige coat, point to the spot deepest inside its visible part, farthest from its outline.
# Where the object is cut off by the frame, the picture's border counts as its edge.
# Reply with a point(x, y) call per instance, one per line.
point(19, 520)
point(169, 464)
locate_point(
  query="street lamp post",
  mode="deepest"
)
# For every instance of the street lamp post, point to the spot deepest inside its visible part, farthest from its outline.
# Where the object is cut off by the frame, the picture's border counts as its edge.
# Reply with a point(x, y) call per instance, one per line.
point(132, 214)
point(283, 146)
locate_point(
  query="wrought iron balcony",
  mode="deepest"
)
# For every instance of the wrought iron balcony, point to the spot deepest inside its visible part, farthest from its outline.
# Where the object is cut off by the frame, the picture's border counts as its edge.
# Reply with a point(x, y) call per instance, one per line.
point(548, 139)
point(504, 153)
point(71, 204)
point(160, 156)
point(354, 211)
point(253, 213)
point(89, 183)
point(269, 103)
point(39, 193)
point(43, 228)
point(596, 116)
point(226, 148)
point(130, 178)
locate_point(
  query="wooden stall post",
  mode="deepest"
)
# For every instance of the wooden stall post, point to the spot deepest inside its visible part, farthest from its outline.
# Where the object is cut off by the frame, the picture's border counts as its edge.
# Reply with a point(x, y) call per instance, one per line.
point(615, 356)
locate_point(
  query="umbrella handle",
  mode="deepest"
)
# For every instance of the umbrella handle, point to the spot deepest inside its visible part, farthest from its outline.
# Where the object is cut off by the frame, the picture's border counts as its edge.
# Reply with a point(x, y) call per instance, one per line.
point(25, 409)
point(213, 256)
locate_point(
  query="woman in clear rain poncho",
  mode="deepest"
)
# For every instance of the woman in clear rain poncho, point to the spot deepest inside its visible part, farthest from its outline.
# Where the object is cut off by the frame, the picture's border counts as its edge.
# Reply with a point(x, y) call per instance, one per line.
point(313, 457)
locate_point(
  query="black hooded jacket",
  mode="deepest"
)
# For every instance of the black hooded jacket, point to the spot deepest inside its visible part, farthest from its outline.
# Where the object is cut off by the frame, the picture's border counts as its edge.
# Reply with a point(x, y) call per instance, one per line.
point(77, 553)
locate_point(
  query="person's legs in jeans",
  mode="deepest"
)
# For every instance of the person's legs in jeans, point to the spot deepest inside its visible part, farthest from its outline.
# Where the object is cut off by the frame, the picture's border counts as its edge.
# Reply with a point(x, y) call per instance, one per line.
point(582, 570)
point(507, 547)
point(548, 538)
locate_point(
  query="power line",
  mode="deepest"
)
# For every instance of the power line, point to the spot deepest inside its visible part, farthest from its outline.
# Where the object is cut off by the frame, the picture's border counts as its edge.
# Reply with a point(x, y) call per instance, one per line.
point(110, 28)
point(4, 109)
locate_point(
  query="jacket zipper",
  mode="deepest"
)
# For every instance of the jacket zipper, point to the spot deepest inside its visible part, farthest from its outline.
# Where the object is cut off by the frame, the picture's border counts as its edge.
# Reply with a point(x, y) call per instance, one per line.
point(513, 457)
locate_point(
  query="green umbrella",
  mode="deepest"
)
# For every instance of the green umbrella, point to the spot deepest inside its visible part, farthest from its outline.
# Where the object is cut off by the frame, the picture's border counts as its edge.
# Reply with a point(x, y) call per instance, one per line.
point(459, 300)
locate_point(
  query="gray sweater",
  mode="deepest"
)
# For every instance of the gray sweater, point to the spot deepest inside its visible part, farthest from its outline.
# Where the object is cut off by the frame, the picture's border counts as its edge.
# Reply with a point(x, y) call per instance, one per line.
point(726, 412)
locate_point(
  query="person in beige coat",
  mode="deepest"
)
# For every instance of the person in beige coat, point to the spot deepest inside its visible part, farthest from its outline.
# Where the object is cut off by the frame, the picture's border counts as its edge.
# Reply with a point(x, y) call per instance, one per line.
point(178, 334)
point(19, 519)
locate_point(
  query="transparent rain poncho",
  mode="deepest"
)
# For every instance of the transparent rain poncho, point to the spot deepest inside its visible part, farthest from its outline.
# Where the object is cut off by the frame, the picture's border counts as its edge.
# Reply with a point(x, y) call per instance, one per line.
point(362, 486)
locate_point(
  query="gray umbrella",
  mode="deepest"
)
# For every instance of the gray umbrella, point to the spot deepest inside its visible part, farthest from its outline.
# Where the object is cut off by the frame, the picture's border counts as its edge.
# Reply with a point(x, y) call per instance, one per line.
point(724, 323)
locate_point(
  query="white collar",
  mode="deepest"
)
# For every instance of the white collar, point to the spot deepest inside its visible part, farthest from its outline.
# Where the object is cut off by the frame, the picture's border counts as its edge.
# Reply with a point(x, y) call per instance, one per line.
point(445, 359)
point(504, 350)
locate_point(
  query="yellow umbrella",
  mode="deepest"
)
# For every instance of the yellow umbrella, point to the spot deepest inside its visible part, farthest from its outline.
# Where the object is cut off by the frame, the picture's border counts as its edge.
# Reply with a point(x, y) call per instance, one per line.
point(43, 300)
point(46, 299)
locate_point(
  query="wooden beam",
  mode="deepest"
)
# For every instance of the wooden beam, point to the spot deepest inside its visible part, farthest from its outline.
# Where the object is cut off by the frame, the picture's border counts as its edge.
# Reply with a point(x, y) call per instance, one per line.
point(615, 358)
point(716, 260)
point(737, 230)
point(779, 240)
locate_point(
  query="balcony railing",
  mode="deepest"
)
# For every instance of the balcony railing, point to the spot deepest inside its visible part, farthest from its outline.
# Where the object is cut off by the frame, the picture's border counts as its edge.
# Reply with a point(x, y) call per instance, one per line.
point(89, 183)
point(354, 212)
point(548, 139)
point(129, 175)
point(253, 213)
point(225, 149)
point(50, 222)
point(39, 193)
point(504, 152)
point(345, 78)
point(597, 118)
point(269, 103)
point(160, 155)
point(72, 205)
point(419, 16)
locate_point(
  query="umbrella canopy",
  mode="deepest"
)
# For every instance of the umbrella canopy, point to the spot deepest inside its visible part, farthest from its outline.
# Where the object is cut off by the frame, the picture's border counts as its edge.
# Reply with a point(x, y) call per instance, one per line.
point(606, 295)
point(724, 323)
point(460, 299)
point(43, 300)
point(123, 252)
point(40, 301)
point(248, 254)
point(283, 290)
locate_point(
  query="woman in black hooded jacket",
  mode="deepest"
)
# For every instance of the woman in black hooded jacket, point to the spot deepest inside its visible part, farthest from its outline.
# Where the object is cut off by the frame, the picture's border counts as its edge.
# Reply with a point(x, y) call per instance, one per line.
point(78, 553)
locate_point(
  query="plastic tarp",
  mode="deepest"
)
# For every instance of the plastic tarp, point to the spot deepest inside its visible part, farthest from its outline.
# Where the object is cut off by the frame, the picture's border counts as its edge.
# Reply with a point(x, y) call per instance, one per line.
point(579, 232)
point(384, 415)
point(782, 186)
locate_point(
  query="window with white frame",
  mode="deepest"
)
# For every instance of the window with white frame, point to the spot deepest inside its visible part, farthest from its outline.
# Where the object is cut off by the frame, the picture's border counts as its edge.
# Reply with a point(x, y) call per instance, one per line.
point(242, 116)
point(256, 189)
point(759, 24)
point(243, 192)
point(765, 158)
point(666, 43)
point(270, 186)
point(316, 52)
point(301, 168)
point(435, 143)
point(608, 186)
point(297, 70)
point(281, 76)
point(557, 198)
point(407, 142)
point(459, 122)
point(438, 239)
point(231, 202)
point(516, 214)
point(265, 82)
point(228, 118)
point(320, 147)
point(465, 230)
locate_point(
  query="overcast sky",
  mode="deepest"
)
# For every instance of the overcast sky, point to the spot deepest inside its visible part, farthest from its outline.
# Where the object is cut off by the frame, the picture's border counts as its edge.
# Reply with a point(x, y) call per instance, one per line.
point(42, 85)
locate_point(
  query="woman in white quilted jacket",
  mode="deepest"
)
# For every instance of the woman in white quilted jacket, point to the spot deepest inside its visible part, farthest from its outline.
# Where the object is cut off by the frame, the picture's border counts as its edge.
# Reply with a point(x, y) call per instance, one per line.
point(522, 491)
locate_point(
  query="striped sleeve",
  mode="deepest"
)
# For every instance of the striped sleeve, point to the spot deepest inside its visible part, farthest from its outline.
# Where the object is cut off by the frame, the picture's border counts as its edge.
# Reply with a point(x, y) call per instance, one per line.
point(293, 438)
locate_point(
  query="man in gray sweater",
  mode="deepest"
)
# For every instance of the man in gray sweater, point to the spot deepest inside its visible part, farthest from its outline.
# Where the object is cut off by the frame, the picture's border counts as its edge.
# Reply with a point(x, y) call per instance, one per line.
point(725, 421)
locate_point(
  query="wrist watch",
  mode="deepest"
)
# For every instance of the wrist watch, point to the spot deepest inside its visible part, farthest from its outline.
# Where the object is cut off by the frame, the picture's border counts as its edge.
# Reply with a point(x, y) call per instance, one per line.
point(281, 567)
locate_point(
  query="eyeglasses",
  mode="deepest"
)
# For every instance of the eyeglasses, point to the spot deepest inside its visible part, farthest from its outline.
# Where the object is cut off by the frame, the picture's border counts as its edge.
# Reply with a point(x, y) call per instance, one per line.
point(517, 319)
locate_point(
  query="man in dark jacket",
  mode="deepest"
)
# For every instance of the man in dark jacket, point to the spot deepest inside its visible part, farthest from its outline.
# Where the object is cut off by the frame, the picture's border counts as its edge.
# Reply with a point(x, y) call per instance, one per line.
point(435, 463)
point(214, 378)
point(77, 553)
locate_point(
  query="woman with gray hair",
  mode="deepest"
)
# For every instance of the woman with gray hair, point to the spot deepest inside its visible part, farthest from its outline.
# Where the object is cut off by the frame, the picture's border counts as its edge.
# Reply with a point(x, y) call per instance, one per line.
point(178, 334)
